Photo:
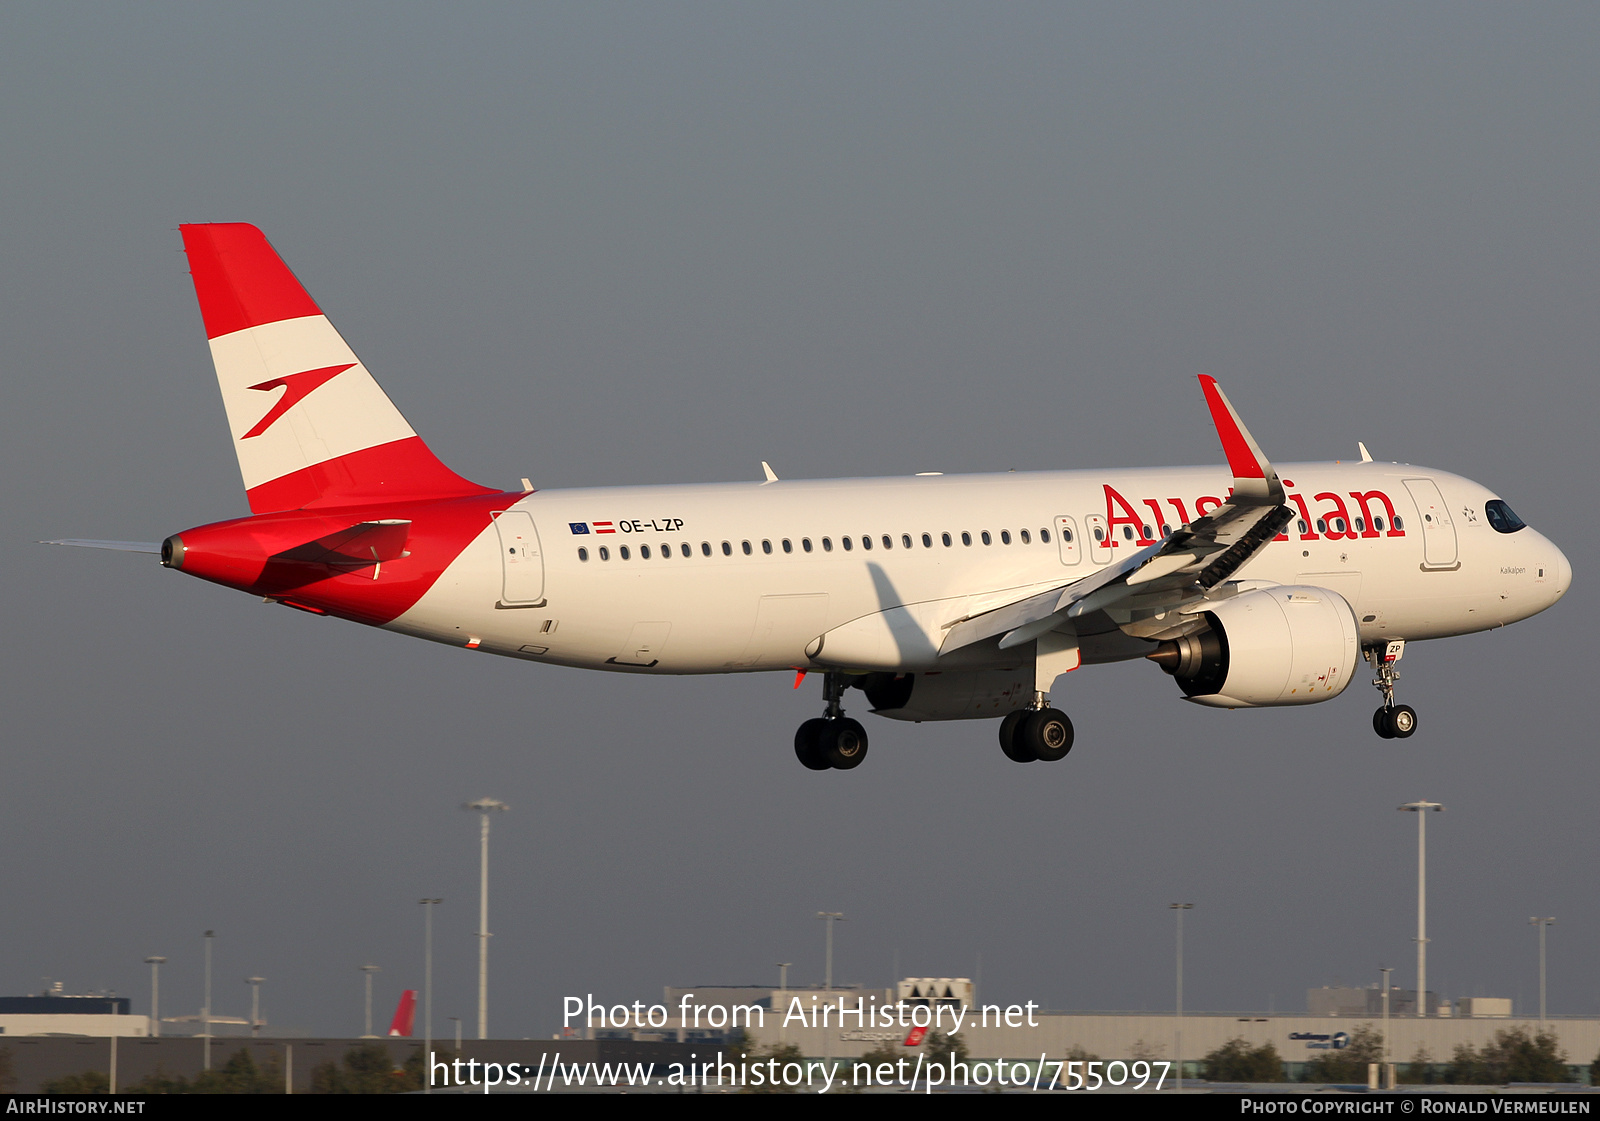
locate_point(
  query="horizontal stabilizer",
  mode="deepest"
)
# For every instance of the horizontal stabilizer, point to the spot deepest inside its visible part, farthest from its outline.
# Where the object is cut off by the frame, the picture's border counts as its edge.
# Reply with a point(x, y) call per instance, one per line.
point(366, 543)
point(116, 546)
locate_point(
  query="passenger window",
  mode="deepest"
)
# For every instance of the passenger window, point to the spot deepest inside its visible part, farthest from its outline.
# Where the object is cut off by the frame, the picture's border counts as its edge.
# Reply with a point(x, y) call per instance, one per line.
point(985, 538)
point(766, 547)
point(1399, 522)
point(966, 538)
point(927, 541)
point(1166, 530)
point(583, 554)
point(905, 540)
point(1099, 534)
point(1322, 525)
point(605, 553)
point(805, 543)
point(1044, 537)
point(1377, 523)
point(1027, 538)
point(787, 546)
point(1005, 537)
point(644, 552)
point(847, 543)
point(945, 537)
point(1066, 535)
point(705, 548)
point(727, 549)
point(866, 541)
point(827, 545)
point(888, 542)
point(745, 545)
point(1127, 533)
point(623, 552)
point(1302, 524)
point(1361, 525)
point(1147, 534)
point(666, 550)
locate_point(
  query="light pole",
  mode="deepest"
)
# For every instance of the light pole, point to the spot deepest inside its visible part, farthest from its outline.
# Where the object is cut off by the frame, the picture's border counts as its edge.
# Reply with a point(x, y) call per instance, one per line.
point(1541, 924)
point(484, 807)
point(427, 992)
point(783, 987)
point(1386, 1081)
point(457, 1021)
point(829, 917)
point(1385, 971)
point(1421, 810)
point(155, 964)
point(369, 970)
point(205, 1014)
point(1177, 1023)
point(255, 1004)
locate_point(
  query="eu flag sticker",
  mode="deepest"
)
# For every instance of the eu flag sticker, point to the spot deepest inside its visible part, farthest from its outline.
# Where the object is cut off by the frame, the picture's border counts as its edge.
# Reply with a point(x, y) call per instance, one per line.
point(579, 527)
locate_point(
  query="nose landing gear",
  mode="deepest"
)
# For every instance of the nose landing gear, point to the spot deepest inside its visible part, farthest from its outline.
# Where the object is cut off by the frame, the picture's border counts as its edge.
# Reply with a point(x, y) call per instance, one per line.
point(832, 741)
point(1392, 721)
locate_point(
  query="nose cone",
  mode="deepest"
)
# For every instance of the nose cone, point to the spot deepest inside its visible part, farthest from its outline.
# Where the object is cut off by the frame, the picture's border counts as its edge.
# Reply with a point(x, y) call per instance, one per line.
point(1563, 574)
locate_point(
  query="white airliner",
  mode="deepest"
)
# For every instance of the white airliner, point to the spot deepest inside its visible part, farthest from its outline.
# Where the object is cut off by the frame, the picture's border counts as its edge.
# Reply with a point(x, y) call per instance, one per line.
point(940, 597)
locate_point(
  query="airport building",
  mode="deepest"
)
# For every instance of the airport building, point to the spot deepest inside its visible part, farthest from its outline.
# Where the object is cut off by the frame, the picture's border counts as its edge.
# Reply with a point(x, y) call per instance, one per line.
point(54, 1013)
point(847, 1022)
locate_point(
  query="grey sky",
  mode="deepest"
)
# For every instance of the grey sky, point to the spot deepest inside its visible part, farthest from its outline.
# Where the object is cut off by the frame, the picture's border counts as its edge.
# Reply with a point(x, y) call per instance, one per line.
point(608, 244)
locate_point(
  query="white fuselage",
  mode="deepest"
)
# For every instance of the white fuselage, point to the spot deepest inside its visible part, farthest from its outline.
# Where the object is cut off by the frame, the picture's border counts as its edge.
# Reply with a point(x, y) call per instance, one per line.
point(750, 596)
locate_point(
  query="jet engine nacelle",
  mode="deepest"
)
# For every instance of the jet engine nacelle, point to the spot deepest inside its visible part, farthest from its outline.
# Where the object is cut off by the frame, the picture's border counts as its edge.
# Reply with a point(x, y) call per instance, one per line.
point(1289, 645)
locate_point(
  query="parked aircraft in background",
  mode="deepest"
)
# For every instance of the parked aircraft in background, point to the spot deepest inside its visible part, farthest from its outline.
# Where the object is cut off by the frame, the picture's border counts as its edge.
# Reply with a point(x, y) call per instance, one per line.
point(940, 597)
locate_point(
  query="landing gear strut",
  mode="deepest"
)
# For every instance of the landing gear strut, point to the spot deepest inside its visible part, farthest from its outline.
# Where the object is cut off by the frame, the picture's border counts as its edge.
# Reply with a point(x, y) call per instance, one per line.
point(1037, 732)
point(832, 741)
point(1392, 721)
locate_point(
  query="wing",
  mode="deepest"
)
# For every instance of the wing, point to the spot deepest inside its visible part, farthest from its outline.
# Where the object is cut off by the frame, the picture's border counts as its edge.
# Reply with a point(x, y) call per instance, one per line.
point(1147, 594)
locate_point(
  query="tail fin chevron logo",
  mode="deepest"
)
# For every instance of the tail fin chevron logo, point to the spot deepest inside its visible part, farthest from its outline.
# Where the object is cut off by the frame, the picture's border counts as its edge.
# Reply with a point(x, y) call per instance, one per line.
point(296, 387)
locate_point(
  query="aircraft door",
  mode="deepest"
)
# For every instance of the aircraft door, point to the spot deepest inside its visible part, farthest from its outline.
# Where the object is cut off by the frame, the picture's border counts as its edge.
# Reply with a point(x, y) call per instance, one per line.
point(521, 562)
point(1438, 531)
point(1099, 542)
point(1067, 538)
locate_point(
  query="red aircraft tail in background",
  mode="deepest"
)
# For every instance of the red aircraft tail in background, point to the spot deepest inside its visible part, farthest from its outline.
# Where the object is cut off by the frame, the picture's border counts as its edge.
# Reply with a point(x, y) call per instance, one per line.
point(405, 1014)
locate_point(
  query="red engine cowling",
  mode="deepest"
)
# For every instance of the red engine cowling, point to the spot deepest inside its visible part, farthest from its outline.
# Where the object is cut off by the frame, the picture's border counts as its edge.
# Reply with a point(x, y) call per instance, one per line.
point(1289, 645)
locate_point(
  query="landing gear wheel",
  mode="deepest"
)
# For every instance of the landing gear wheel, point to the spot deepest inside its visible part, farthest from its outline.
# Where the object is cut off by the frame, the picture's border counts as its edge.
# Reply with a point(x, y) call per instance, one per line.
point(1380, 724)
point(1008, 735)
point(808, 747)
point(1047, 734)
point(1402, 721)
point(1011, 742)
point(842, 743)
point(1395, 723)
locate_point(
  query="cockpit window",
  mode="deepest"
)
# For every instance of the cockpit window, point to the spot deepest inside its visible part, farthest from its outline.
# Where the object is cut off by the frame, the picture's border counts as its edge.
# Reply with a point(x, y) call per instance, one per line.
point(1501, 517)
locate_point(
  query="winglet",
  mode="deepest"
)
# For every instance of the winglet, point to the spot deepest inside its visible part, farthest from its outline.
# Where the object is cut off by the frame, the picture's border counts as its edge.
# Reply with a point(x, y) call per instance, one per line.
point(1253, 476)
point(766, 470)
point(1366, 456)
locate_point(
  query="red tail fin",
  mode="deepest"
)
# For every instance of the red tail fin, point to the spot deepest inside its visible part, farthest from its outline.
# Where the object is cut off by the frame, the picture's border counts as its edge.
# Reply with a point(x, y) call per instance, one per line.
point(405, 1014)
point(310, 425)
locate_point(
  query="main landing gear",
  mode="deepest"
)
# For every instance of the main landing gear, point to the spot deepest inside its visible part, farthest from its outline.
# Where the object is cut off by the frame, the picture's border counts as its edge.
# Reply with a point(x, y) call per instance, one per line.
point(1392, 721)
point(1036, 733)
point(832, 741)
